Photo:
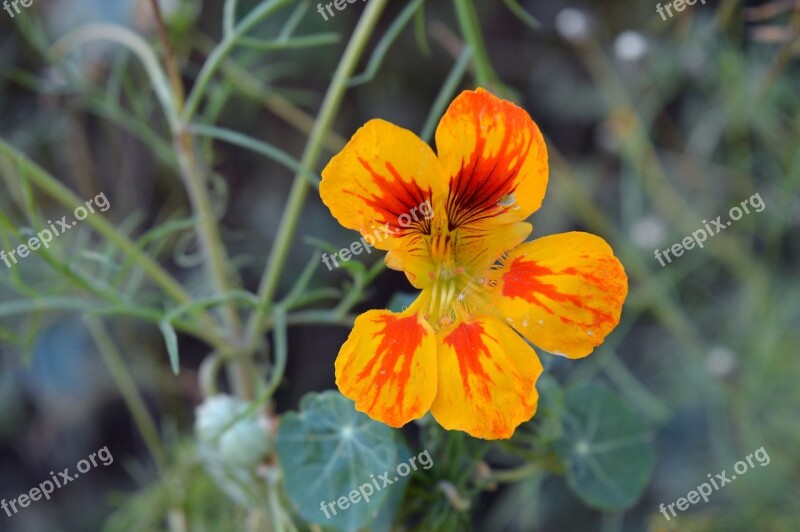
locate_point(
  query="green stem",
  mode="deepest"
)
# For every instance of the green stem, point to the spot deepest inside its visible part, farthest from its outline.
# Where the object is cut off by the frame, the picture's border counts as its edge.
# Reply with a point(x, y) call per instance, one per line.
point(276, 512)
point(471, 31)
point(281, 351)
point(207, 226)
point(313, 150)
point(206, 222)
point(175, 81)
point(222, 51)
point(135, 44)
point(50, 186)
point(257, 146)
point(127, 388)
point(515, 475)
point(445, 95)
point(229, 17)
point(216, 257)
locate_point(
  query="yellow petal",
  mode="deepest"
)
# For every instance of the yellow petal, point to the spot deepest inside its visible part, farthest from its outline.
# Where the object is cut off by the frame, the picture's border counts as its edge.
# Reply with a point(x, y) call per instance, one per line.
point(487, 378)
point(479, 245)
point(384, 175)
point(388, 366)
point(564, 292)
point(388, 185)
point(495, 158)
point(411, 255)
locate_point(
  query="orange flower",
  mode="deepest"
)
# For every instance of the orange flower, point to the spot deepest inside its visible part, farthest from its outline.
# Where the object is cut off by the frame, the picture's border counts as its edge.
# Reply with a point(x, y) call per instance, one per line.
point(455, 351)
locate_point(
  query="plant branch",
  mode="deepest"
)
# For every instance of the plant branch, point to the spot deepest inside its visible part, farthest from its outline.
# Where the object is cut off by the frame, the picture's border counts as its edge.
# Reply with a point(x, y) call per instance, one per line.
point(297, 196)
point(127, 388)
point(172, 66)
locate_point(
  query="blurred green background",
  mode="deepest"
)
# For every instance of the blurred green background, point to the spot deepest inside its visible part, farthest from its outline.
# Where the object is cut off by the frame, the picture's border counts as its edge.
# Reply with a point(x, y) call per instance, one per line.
point(653, 126)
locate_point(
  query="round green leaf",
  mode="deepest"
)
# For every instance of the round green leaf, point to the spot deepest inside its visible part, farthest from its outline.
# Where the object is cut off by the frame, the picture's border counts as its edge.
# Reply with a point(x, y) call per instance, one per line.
point(328, 450)
point(606, 447)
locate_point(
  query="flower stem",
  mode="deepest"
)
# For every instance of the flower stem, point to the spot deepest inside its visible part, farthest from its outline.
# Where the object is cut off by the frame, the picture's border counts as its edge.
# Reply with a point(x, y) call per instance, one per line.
point(311, 154)
point(172, 66)
point(127, 388)
point(222, 51)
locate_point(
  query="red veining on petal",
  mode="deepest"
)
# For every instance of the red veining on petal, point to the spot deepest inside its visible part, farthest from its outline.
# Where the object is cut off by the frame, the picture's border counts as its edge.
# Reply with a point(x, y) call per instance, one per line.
point(467, 342)
point(398, 197)
point(485, 179)
point(400, 338)
point(523, 280)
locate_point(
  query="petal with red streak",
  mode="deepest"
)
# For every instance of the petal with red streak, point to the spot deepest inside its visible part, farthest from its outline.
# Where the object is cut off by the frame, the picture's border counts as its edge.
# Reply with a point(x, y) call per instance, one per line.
point(495, 158)
point(388, 366)
point(487, 378)
point(389, 185)
point(563, 292)
point(384, 175)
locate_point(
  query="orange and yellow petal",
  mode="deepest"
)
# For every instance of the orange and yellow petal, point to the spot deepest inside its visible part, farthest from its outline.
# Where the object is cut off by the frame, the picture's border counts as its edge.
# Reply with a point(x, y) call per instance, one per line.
point(412, 255)
point(563, 292)
point(494, 157)
point(388, 366)
point(487, 378)
point(385, 177)
point(480, 245)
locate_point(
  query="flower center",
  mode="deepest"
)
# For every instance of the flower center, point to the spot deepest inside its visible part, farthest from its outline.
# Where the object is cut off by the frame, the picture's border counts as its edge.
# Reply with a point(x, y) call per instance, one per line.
point(454, 293)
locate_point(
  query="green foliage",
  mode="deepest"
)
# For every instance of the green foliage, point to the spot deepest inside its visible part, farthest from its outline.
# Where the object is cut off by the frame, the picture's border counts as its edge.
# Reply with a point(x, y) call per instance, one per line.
point(329, 449)
point(706, 119)
point(607, 448)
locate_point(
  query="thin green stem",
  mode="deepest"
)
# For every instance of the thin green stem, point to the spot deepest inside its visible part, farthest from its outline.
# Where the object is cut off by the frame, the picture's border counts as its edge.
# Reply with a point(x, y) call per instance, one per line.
point(252, 87)
point(313, 150)
point(134, 43)
point(54, 189)
point(305, 41)
point(127, 388)
point(206, 221)
point(281, 351)
point(223, 50)
point(175, 80)
point(471, 31)
point(208, 374)
point(446, 93)
point(515, 475)
point(229, 17)
point(257, 146)
point(391, 34)
point(276, 512)
point(522, 14)
point(215, 256)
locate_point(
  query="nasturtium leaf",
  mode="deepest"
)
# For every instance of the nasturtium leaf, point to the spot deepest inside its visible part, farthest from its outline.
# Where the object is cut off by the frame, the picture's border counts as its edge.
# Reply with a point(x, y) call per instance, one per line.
point(607, 448)
point(385, 520)
point(326, 451)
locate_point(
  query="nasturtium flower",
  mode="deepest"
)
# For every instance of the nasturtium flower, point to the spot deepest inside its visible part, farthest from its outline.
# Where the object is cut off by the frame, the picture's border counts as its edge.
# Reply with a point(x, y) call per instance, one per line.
point(456, 351)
